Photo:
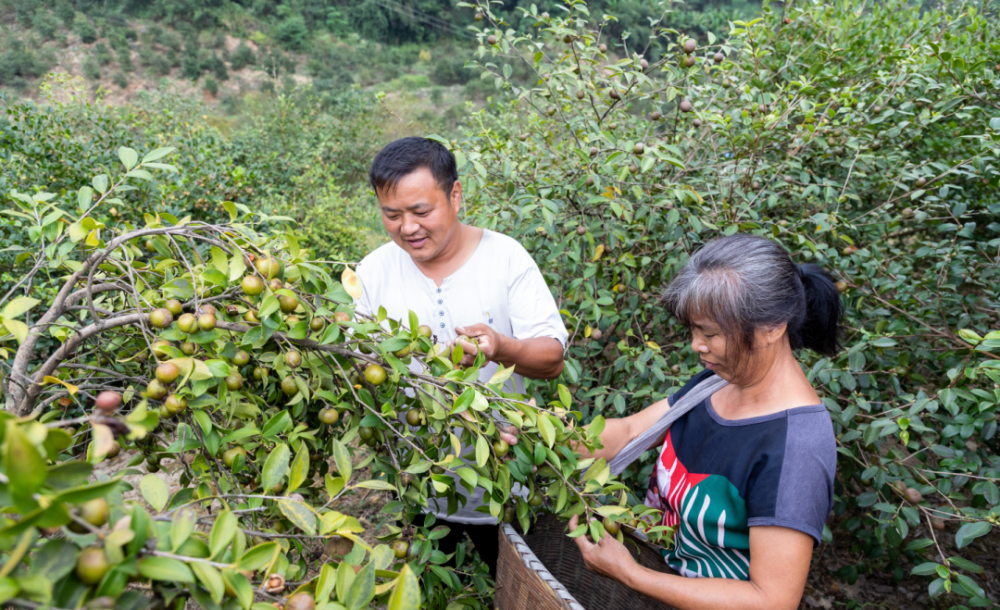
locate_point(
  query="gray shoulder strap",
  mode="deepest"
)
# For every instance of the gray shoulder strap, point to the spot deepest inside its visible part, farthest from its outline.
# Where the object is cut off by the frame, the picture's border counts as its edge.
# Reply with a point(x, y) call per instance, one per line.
point(641, 443)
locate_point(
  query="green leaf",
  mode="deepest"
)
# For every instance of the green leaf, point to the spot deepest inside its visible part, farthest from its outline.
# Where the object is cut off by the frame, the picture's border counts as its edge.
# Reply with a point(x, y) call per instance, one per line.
point(362, 590)
point(300, 469)
point(406, 593)
point(239, 583)
point(482, 451)
point(276, 467)
point(25, 466)
point(565, 397)
point(324, 585)
point(157, 153)
point(18, 306)
point(155, 491)
point(259, 556)
point(100, 183)
point(8, 589)
point(166, 569)
point(222, 532)
point(343, 459)
point(299, 514)
point(128, 157)
point(181, 527)
point(211, 578)
point(546, 430)
point(17, 328)
point(379, 485)
point(970, 531)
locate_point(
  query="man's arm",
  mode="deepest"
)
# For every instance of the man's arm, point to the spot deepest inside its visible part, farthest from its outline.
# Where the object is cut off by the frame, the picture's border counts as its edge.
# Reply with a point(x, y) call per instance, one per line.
point(535, 358)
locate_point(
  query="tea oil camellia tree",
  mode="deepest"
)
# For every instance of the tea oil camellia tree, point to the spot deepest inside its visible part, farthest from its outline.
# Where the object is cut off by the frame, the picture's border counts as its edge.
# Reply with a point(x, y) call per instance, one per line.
point(863, 137)
point(227, 349)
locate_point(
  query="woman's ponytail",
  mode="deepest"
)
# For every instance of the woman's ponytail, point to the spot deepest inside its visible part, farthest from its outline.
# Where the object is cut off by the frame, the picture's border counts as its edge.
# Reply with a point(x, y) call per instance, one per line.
point(820, 331)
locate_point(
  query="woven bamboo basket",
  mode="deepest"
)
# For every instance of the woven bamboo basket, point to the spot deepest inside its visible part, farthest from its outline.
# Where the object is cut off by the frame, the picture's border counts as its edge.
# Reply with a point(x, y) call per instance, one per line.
point(544, 570)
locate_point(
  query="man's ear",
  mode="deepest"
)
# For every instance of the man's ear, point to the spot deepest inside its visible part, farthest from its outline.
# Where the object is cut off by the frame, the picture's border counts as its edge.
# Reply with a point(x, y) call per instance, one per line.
point(456, 196)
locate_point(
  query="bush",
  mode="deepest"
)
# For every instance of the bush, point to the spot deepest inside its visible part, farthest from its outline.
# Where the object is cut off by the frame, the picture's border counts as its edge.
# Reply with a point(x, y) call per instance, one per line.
point(211, 85)
point(19, 63)
point(242, 57)
point(125, 59)
point(120, 79)
point(449, 69)
point(292, 33)
point(65, 12)
point(92, 68)
point(855, 157)
point(84, 28)
point(45, 23)
point(218, 67)
point(102, 54)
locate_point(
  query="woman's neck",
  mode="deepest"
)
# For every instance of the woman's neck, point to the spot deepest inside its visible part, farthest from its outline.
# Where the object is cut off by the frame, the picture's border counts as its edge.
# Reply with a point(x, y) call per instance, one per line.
point(780, 386)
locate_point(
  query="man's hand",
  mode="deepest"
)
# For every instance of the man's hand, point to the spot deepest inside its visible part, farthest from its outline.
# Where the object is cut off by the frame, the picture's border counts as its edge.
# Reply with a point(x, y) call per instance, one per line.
point(489, 340)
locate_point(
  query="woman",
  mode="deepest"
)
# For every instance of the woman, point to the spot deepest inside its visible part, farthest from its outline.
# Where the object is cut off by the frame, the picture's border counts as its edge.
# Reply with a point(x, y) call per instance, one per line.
point(747, 475)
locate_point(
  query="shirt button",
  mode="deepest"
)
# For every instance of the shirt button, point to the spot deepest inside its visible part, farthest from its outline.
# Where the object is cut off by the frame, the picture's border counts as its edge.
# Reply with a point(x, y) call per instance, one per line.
point(441, 312)
point(439, 290)
point(442, 325)
point(440, 301)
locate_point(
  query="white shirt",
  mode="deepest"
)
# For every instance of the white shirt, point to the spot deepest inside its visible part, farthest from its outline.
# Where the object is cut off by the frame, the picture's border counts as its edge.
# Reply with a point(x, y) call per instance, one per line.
point(500, 286)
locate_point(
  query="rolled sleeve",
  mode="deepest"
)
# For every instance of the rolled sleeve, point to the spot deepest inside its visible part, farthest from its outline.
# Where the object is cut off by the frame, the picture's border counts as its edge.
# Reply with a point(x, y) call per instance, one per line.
point(533, 310)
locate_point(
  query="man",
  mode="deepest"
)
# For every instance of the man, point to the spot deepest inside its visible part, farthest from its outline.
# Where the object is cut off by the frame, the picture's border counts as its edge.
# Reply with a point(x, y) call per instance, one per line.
point(459, 280)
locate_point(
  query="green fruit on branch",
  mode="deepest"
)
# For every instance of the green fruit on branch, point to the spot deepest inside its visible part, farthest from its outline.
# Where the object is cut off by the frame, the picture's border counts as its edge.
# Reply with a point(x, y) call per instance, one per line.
point(174, 307)
point(690, 46)
point(241, 358)
point(156, 390)
point(229, 456)
point(234, 382)
point(188, 323)
point(167, 372)
point(288, 386)
point(424, 331)
point(329, 416)
point(252, 285)
point(317, 324)
point(413, 417)
point(366, 433)
point(501, 448)
point(611, 527)
point(342, 316)
point(174, 404)
point(92, 565)
point(115, 449)
point(206, 321)
point(534, 499)
point(275, 285)
point(258, 372)
point(375, 374)
point(107, 402)
point(251, 317)
point(400, 548)
point(291, 321)
point(509, 514)
point(287, 303)
point(293, 359)
point(189, 348)
point(95, 512)
point(161, 318)
point(268, 267)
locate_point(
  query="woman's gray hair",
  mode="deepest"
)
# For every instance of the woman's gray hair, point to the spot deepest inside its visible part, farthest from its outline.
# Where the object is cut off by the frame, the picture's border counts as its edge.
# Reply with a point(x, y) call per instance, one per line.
point(745, 282)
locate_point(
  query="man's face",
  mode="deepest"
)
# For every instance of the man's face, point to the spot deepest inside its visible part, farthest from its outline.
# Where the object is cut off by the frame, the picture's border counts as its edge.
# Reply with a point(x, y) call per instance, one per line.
point(419, 216)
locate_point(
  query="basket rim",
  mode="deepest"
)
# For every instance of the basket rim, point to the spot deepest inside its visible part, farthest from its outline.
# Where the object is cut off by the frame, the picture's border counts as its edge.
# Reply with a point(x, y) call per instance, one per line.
point(531, 561)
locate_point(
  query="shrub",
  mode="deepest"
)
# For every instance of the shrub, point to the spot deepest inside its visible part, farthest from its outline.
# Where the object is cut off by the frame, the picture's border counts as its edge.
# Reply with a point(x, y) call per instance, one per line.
point(125, 59)
point(45, 23)
point(19, 63)
point(84, 28)
point(65, 12)
point(102, 54)
point(855, 157)
point(92, 68)
point(242, 57)
point(217, 66)
point(120, 79)
point(292, 33)
point(211, 85)
point(449, 69)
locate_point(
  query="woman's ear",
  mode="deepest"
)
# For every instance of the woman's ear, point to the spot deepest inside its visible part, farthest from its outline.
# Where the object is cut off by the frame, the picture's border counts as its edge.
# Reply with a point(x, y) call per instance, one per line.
point(774, 334)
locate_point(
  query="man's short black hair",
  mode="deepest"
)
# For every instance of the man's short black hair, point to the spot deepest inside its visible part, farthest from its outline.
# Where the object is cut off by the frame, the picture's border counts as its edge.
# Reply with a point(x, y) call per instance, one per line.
point(405, 156)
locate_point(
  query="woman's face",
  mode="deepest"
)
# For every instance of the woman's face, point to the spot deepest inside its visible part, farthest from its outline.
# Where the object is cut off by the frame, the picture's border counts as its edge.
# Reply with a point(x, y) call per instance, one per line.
point(709, 342)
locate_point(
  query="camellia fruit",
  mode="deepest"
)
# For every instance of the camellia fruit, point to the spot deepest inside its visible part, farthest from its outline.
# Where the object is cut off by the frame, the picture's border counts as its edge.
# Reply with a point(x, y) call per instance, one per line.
point(167, 372)
point(158, 346)
point(92, 565)
point(293, 359)
point(116, 448)
point(413, 417)
point(188, 323)
point(229, 456)
point(509, 514)
point(341, 317)
point(375, 374)
point(174, 307)
point(287, 303)
point(252, 285)
point(156, 390)
point(611, 527)
point(95, 512)
point(241, 358)
point(206, 321)
point(501, 448)
point(268, 267)
point(690, 46)
point(400, 549)
point(234, 382)
point(161, 318)
point(175, 404)
point(424, 331)
point(188, 348)
point(107, 402)
point(288, 385)
point(329, 416)
point(300, 601)
point(317, 324)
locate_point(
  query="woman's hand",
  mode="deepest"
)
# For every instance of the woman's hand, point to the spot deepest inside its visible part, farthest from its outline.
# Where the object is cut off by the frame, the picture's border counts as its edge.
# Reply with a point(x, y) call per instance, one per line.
point(607, 557)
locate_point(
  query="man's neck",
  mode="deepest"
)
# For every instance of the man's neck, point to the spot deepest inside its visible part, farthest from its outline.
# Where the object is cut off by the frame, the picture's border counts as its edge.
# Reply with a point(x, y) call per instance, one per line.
point(458, 252)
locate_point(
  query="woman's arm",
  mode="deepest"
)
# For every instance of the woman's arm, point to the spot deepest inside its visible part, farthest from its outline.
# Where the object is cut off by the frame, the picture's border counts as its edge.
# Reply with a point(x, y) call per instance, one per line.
point(779, 565)
point(620, 431)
